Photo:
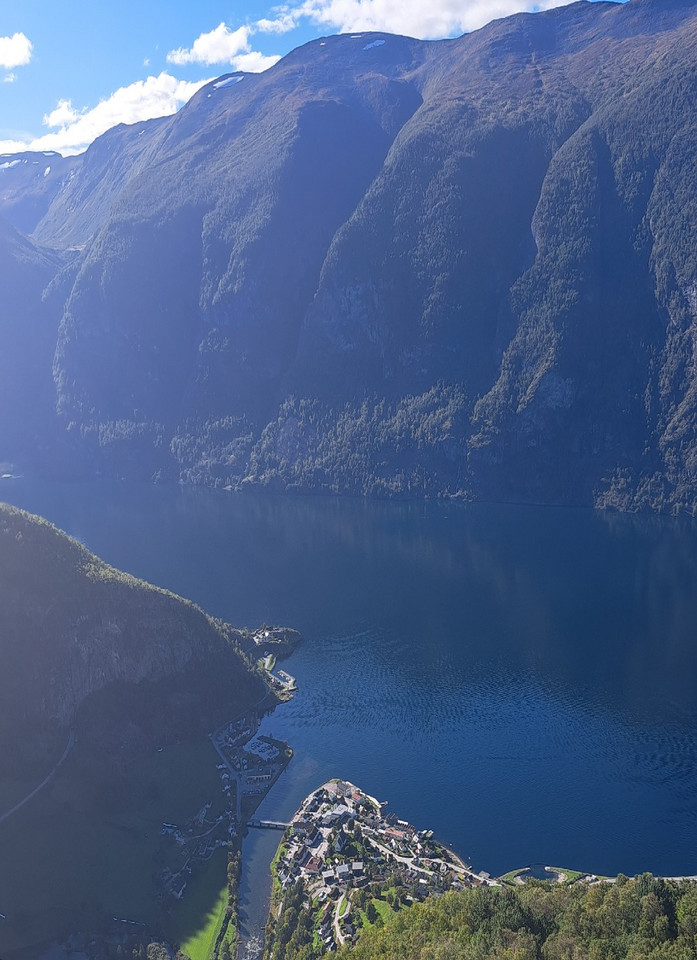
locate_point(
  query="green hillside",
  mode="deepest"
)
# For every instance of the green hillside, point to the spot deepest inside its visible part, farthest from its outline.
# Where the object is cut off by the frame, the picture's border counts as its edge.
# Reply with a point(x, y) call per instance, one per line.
point(640, 918)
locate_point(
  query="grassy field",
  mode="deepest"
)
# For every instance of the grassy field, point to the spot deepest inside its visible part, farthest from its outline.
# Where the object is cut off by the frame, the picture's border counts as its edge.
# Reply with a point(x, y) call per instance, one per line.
point(571, 876)
point(383, 908)
point(509, 878)
point(79, 854)
point(197, 924)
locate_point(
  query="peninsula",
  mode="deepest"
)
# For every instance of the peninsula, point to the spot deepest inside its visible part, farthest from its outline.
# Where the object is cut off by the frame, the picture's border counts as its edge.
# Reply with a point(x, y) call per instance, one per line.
point(343, 864)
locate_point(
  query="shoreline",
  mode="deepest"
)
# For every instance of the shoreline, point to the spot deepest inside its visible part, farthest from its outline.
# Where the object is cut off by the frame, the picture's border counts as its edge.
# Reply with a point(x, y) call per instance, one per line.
point(346, 862)
point(252, 943)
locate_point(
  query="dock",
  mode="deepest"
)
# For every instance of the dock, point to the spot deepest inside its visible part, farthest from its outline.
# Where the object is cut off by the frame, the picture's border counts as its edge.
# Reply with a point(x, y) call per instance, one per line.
point(267, 824)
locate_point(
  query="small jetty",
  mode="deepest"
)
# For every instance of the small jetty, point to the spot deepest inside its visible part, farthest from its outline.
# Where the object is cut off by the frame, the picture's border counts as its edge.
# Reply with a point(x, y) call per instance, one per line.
point(267, 824)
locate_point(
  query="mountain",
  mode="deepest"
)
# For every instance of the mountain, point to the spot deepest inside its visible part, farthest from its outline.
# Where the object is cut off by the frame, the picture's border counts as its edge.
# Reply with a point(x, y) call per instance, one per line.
point(81, 641)
point(29, 321)
point(393, 267)
point(109, 689)
point(29, 181)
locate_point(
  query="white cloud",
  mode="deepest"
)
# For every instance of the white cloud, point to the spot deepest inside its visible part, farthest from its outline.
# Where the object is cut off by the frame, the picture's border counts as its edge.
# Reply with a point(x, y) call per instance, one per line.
point(221, 45)
point(73, 130)
point(62, 116)
point(9, 78)
point(438, 18)
point(286, 22)
point(15, 51)
point(254, 62)
point(232, 47)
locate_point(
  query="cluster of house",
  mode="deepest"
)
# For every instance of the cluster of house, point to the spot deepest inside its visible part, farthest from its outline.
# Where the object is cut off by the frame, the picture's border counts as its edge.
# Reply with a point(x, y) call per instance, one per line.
point(341, 841)
point(250, 763)
point(247, 770)
point(229, 737)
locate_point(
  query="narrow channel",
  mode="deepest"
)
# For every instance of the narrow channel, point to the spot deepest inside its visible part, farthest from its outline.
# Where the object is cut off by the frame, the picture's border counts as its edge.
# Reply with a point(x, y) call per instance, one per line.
point(258, 849)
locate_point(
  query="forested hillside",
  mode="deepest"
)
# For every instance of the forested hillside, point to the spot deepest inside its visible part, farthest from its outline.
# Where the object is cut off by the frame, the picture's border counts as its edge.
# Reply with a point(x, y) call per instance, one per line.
point(87, 646)
point(644, 917)
point(383, 267)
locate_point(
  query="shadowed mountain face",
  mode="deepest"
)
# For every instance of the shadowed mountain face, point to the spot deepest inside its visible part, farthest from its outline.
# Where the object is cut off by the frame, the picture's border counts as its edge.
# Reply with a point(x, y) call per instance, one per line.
point(133, 678)
point(78, 635)
point(28, 331)
point(399, 268)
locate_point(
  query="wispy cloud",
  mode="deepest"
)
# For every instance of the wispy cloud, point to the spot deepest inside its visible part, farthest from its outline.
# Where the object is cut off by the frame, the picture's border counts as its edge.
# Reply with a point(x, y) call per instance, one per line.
point(15, 51)
point(285, 22)
point(225, 46)
point(73, 130)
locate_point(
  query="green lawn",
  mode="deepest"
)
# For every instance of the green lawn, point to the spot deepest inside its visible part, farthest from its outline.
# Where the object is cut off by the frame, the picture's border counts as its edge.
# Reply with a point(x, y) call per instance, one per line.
point(203, 909)
point(509, 877)
point(383, 908)
point(571, 875)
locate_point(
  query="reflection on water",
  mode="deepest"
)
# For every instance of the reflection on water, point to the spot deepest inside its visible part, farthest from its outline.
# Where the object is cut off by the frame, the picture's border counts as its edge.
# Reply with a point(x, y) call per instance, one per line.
point(522, 680)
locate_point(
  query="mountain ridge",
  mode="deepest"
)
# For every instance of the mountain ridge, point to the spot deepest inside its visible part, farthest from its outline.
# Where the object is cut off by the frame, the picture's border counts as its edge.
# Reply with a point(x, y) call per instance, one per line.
point(401, 268)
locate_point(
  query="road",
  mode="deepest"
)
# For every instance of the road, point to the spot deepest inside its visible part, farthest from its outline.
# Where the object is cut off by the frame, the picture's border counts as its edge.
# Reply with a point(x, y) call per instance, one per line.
point(337, 916)
point(236, 775)
point(457, 867)
point(18, 806)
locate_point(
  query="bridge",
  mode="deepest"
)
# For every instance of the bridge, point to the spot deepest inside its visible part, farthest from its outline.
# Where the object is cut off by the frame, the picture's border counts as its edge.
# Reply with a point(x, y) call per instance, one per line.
point(267, 824)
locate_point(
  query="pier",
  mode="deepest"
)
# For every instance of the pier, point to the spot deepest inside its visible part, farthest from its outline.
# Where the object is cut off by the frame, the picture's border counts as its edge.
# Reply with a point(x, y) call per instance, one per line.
point(267, 824)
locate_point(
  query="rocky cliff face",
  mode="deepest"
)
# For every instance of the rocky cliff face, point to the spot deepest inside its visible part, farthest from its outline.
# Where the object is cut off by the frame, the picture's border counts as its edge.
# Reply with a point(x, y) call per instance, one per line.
point(398, 268)
point(28, 332)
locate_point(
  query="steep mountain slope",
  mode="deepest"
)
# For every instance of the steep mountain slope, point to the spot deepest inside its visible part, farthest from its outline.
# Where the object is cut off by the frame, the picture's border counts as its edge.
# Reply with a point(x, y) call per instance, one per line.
point(73, 627)
point(394, 267)
point(29, 182)
point(109, 687)
point(84, 201)
point(28, 331)
point(220, 240)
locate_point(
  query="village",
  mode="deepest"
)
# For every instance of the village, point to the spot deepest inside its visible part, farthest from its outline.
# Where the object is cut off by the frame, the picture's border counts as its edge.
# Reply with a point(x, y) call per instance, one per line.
point(347, 863)
point(249, 765)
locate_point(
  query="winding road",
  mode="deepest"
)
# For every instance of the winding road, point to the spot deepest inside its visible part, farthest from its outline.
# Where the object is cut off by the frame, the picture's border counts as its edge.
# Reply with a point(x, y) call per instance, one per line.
point(17, 806)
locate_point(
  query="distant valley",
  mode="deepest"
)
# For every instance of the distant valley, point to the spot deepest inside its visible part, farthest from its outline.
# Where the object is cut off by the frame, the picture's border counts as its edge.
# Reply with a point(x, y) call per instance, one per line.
point(384, 267)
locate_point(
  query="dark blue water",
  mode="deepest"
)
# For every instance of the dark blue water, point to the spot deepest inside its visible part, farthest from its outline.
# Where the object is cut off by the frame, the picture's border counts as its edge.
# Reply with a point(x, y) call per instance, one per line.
point(521, 680)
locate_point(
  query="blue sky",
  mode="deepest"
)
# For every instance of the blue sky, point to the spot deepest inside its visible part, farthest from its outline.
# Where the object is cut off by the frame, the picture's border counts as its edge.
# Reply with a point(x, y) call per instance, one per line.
point(70, 70)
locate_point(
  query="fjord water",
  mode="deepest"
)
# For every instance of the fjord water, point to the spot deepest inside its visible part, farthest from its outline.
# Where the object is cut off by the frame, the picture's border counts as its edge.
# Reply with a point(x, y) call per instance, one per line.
point(522, 680)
